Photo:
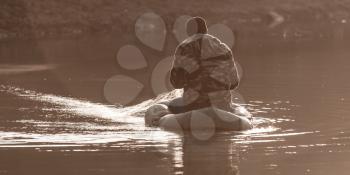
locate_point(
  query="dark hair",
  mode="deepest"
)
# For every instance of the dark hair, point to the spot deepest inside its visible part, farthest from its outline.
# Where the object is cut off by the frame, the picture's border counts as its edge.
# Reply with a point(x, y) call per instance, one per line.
point(196, 25)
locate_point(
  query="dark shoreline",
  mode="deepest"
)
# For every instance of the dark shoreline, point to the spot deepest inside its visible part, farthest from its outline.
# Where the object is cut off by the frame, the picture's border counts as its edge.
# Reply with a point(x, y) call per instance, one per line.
point(33, 19)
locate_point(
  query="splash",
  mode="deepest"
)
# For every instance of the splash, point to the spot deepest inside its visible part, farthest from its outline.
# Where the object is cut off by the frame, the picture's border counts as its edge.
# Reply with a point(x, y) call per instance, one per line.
point(130, 127)
point(127, 115)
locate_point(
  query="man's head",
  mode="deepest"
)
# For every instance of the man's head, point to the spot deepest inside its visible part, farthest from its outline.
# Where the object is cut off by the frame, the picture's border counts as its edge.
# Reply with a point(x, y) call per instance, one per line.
point(196, 25)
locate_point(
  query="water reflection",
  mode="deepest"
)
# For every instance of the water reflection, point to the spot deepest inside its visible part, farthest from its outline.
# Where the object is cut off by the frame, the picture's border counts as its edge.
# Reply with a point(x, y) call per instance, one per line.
point(51, 123)
point(219, 155)
point(118, 128)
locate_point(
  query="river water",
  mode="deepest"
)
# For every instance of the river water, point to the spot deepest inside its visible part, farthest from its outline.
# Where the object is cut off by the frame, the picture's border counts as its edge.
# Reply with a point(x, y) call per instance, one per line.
point(54, 118)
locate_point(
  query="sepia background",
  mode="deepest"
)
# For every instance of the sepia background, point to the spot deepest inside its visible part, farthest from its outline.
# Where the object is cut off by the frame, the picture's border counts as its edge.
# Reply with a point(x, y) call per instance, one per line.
point(56, 57)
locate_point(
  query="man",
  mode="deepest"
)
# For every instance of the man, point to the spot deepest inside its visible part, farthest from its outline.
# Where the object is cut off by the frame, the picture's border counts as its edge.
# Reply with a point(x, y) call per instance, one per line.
point(204, 67)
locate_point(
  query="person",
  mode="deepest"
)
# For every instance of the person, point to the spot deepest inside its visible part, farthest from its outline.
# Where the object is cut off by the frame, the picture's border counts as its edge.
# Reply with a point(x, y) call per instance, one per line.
point(205, 68)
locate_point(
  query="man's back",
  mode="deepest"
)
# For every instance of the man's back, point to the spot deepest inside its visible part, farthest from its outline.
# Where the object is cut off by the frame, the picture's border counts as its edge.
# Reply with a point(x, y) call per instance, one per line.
point(203, 65)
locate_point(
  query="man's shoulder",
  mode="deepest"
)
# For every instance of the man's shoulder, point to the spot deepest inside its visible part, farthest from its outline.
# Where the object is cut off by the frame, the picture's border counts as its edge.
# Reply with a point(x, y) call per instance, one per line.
point(189, 42)
point(216, 42)
point(198, 38)
point(192, 39)
point(206, 41)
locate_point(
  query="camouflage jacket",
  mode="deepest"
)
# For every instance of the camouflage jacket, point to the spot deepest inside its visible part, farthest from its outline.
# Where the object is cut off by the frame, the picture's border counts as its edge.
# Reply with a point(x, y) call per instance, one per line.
point(205, 68)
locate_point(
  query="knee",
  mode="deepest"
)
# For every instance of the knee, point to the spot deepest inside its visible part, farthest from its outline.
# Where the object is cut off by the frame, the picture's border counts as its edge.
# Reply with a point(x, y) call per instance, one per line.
point(155, 113)
point(169, 122)
point(177, 102)
point(177, 106)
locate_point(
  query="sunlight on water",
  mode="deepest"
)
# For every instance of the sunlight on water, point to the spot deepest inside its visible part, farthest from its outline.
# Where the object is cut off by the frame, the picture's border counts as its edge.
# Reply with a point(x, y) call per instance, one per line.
point(130, 122)
point(7, 69)
point(131, 125)
point(75, 106)
point(127, 115)
point(123, 128)
point(128, 133)
point(15, 138)
point(263, 135)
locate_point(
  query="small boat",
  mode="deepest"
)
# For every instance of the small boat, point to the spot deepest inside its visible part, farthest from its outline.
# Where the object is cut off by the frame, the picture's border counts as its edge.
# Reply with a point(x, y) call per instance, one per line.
point(209, 118)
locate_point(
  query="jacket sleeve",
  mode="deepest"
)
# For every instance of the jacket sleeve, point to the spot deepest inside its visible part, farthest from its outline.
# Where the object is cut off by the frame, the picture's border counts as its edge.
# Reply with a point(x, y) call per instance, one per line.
point(234, 78)
point(225, 71)
point(177, 78)
point(184, 64)
point(178, 73)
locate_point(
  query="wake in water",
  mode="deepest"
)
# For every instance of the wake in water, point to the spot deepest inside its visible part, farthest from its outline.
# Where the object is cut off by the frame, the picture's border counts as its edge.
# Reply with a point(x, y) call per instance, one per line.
point(127, 123)
point(129, 114)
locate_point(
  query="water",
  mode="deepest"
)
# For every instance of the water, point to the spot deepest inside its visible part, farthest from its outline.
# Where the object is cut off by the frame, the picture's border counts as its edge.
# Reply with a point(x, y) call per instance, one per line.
point(55, 120)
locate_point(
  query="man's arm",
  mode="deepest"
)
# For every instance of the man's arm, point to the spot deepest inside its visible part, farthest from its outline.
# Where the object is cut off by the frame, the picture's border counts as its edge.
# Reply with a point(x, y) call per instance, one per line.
point(234, 78)
point(225, 70)
point(177, 77)
point(184, 64)
point(177, 73)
